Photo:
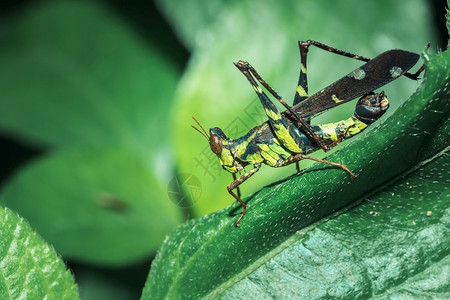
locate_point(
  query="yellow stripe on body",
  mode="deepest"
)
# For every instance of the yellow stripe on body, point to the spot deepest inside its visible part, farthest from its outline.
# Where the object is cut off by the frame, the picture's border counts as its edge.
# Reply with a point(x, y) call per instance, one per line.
point(252, 158)
point(270, 156)
point(282, 133)
point(277, 148)
point(286, 139)
point(350, 126)
point(276, 122)
point(257, 89)
point(226, 159)
point(329, 131)
point(357, 127)
point(242, 147)
point(272, 115)
point(303, 69)
point(301, 92)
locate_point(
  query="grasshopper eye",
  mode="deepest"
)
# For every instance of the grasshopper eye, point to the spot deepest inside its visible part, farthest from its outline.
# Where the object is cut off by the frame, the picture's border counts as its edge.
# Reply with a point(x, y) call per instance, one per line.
point(215, 142)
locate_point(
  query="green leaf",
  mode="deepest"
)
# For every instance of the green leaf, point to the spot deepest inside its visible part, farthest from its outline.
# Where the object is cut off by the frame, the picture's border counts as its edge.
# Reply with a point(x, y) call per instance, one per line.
point(266, 35)
point(74, 76)
point(30, 269)
point(399, 248)
point(194, 29)
point(94, 205)
point(388, 247)
point(72, 73)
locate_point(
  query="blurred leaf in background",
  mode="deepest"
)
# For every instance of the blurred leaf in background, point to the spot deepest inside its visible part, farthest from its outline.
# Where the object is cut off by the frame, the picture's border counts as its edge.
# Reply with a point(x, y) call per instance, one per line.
point(93, 205)
point(73, 76)
point(87, 74)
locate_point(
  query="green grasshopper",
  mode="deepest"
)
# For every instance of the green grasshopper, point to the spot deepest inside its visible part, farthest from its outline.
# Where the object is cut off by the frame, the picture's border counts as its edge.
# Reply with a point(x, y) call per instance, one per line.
point(288, 136)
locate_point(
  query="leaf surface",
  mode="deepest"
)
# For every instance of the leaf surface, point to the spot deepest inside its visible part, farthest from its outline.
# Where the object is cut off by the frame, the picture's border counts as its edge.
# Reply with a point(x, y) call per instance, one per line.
point(29, 267)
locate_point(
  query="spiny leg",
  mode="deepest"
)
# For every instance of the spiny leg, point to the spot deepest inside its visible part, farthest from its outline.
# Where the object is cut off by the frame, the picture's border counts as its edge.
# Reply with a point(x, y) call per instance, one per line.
point(304, 45)
point(415, 76)
point(298, 157)
point(301, 93)
point(248, 71)
point(235, 184)
point(303, 82)
point(302, 88)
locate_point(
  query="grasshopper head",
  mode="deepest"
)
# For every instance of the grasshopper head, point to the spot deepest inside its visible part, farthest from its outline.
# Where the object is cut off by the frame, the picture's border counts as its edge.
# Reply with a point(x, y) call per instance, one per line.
point(371, 107)
point(216, 139)
point(220, 145)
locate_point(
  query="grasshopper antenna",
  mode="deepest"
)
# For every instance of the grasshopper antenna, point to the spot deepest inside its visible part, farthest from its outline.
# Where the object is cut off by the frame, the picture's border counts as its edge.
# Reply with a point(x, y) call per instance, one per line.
point(204, 133)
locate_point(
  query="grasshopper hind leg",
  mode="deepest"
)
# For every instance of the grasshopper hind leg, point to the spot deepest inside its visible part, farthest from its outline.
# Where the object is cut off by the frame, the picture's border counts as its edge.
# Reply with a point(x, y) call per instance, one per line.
point(302, 88)
point(275, 117)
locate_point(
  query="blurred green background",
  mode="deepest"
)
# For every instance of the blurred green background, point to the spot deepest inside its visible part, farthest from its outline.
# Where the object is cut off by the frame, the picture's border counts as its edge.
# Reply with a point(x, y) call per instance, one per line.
point(96, 99)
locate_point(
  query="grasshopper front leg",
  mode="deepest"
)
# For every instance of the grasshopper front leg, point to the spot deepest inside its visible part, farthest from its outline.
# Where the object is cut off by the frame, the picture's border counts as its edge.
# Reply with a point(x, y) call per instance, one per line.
point(235, 184)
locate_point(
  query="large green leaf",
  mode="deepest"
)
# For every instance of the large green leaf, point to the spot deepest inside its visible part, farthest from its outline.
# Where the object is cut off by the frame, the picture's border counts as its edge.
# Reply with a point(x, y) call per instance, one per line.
point(208, 256)
point(194, 29)
point(30, 268)
point(266, 34)
point(395, 245)
point(94, 205)
point(71, 73)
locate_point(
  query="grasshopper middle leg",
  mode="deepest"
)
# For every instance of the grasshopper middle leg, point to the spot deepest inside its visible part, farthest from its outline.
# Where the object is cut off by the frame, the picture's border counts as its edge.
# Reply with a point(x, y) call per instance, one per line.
point(298, 157)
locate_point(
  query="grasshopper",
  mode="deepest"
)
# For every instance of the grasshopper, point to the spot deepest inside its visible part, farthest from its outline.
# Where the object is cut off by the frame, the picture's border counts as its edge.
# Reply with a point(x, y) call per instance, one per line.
point(287, 137)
